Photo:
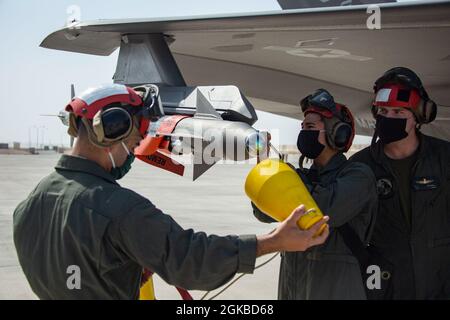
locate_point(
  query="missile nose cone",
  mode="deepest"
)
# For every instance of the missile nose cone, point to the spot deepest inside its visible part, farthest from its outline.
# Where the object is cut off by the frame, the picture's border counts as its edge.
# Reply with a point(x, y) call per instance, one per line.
point(256, 143)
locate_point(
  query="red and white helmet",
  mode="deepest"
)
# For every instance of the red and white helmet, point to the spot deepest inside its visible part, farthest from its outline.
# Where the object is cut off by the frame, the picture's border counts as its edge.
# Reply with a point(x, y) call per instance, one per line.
point(401, 87)
point(114, 109)
point(88, 103)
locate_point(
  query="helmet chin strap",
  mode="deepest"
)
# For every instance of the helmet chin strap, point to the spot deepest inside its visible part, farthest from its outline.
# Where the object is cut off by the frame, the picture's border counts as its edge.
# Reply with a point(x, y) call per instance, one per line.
point(125, 147)
point(112, 158)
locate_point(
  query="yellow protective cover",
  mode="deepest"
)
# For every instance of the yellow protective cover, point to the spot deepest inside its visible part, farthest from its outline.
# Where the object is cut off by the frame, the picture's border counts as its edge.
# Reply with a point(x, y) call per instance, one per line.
point(276, 189)
point(147, 291)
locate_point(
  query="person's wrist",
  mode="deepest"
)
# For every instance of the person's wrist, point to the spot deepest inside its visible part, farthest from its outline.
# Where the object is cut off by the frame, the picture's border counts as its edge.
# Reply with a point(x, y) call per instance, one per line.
point(266, 243)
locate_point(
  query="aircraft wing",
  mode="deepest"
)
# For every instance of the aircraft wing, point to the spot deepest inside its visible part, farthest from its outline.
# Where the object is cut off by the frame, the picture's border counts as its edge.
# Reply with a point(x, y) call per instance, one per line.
point(278, 57)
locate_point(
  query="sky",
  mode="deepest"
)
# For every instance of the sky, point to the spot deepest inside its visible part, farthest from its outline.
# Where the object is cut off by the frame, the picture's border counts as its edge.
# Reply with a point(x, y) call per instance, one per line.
point(35, 81)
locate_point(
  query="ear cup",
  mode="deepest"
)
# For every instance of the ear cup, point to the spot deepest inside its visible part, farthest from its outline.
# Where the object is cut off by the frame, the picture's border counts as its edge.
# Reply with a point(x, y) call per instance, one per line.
point(428, 112)
point(112, 125)
point(341, 135)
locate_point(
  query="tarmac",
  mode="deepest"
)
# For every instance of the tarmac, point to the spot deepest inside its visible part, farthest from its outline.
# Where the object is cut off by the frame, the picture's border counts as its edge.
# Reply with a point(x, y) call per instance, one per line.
point(215, 203)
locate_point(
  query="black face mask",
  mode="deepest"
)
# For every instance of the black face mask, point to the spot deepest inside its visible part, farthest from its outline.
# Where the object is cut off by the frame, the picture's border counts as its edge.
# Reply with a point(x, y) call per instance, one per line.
point(308, 143)
point(391, 129)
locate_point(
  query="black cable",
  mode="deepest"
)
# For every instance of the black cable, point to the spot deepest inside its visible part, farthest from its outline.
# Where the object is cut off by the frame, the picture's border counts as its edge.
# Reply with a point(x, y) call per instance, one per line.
point(239, 277)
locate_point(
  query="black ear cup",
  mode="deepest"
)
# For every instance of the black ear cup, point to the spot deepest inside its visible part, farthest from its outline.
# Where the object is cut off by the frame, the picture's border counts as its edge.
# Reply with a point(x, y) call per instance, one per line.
point(342, 135)
point(111, 125)
point(428, 111)
point(339, 134)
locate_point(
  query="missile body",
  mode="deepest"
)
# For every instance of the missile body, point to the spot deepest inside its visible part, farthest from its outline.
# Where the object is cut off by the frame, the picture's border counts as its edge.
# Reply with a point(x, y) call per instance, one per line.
point(216, 139)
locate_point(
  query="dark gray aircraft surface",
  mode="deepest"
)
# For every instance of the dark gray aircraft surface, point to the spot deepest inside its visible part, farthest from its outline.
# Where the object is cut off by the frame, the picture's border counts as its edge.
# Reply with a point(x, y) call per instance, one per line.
point(275, 58)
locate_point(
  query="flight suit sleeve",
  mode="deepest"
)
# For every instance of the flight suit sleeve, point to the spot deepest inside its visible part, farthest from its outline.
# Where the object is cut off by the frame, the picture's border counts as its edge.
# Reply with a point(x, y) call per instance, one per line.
point(342, 200)
point(184, 258)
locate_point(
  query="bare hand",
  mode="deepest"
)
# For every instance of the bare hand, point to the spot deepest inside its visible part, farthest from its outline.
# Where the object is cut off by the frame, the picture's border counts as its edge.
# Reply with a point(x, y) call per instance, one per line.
point(289, 237)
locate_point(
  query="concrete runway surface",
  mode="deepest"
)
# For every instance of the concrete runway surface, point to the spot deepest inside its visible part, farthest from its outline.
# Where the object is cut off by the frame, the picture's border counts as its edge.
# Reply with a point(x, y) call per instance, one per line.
point(215, 203)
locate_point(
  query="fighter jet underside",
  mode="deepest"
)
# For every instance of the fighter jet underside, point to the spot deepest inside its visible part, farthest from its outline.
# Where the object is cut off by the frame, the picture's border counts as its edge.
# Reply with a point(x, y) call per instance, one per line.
point(276, 58)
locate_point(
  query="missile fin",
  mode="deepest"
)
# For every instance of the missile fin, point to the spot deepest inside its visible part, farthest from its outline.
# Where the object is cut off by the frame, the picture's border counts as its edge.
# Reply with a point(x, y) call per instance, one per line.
point(204, 108)
point(200, 166)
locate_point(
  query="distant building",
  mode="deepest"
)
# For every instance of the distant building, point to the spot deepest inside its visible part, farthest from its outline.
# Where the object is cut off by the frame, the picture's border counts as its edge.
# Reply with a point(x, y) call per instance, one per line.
point(4, 146)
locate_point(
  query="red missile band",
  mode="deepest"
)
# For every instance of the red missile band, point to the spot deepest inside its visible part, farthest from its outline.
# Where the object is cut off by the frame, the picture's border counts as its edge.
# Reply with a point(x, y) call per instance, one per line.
point(162, 161)
point(150, 144)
